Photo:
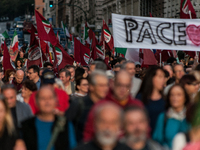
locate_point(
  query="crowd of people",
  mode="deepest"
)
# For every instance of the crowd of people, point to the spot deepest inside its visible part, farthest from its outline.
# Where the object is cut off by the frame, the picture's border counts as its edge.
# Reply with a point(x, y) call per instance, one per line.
point(95, 108)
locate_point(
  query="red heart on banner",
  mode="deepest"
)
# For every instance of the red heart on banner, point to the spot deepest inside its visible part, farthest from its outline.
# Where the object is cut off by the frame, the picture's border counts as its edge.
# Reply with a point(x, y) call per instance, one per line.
point(193, 33)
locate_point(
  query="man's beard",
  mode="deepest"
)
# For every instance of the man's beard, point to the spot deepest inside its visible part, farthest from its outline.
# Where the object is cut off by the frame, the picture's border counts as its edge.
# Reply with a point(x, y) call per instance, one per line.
point(106, 137)
point(136, 136)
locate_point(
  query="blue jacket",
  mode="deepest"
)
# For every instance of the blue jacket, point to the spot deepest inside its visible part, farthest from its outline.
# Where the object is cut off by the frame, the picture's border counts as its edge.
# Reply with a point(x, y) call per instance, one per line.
point(172, 127)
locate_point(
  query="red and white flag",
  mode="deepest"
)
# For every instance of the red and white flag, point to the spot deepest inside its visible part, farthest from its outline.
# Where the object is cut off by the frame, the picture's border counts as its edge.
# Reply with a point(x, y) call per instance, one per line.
point(45, 30)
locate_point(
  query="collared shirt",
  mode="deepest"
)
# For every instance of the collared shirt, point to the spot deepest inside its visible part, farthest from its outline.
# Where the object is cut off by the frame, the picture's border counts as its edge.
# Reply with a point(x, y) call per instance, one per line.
point(38, 84)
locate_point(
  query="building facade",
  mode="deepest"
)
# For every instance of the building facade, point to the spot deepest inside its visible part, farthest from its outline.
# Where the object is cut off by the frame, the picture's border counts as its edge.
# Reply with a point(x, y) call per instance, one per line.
point(39, 6)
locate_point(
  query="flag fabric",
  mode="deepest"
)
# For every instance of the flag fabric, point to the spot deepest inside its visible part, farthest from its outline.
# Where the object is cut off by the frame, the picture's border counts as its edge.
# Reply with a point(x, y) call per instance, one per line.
point(81, 53)
point(86, 33)
point(107, 36)
point(65, 29)
point(34, 53)
point(149, 58)
point(100, 52)
point(14, 42)
point(45, 30)
point(58, 36)
point(63, 57)
point(185, 7)
point(7, 62)
point(5, 34)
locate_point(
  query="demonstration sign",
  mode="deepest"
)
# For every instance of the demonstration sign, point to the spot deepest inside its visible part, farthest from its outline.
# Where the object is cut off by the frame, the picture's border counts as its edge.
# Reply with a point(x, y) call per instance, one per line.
point(156, 33)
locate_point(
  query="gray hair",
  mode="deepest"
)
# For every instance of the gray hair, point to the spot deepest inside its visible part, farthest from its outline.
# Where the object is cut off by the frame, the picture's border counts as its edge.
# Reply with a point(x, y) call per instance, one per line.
point(99, 65)
point(92, 77)
point(108, 105)
point(125, 63)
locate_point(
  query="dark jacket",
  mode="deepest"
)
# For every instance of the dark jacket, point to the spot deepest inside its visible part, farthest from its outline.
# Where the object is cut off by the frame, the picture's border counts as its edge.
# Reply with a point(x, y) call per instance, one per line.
point(93, 146)
point(78, 112)
point(23, 112)
point(89, 128)
point(7, 142)
point(29, 135)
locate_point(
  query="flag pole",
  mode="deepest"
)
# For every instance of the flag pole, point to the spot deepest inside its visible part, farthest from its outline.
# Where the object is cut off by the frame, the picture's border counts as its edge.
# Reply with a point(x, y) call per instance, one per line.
point(161, 59)
point(191, 18)
point(40, 53)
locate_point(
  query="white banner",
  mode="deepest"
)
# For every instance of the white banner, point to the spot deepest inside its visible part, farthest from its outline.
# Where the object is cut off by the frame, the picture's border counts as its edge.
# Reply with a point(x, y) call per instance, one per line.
point(156, 33)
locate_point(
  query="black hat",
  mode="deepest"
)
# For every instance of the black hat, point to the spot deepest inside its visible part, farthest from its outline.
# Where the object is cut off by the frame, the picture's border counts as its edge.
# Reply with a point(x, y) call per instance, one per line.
point(48, 77)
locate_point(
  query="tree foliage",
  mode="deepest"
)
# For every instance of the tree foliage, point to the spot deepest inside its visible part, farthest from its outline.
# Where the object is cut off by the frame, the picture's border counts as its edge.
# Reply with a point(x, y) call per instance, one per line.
point(16, 8)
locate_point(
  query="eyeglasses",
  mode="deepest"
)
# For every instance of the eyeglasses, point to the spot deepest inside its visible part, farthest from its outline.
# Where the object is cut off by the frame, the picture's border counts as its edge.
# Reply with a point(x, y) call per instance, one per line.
point(194, 84)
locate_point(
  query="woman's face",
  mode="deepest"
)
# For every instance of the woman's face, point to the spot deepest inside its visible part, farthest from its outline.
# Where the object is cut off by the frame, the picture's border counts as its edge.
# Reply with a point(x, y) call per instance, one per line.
point(177, 97)
point(11, 77)
point(2, 112)
point(192, 88)
point(159, 80)
point(26, 92)
point(18, 63)
point(21, 54)
point(83, 87)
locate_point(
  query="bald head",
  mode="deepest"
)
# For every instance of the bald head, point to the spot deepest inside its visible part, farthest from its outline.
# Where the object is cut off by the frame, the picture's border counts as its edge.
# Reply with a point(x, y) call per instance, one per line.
point(122, 85)
point(19, 76)
point(107, 108)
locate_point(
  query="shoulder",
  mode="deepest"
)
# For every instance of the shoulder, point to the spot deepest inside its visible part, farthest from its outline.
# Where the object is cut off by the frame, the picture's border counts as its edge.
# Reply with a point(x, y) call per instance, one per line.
point(136, 80)
point(179, 137)
point(88, 146)
point(22, 104)
point(28, 122)
point(154, 145)
point(122, 146)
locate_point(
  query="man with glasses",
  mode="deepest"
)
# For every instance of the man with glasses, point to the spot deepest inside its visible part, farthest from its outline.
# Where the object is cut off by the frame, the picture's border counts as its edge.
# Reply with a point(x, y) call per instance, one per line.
point(179, 72)
point(33, 74)
point(119, 94)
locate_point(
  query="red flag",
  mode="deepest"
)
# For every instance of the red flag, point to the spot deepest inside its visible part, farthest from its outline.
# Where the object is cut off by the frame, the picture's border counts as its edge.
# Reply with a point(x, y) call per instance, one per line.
point(94, 49)
point(185, 7)
point(7, 62)
point(45, 30)
point(150, 14)
point(63, 57)
point(149, 58)
point(77, 51)
point(34, 53)
point(107, 36)
point(81, 53)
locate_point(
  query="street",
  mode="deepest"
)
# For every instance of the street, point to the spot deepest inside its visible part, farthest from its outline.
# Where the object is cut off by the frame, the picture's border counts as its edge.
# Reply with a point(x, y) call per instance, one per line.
point(3, 26)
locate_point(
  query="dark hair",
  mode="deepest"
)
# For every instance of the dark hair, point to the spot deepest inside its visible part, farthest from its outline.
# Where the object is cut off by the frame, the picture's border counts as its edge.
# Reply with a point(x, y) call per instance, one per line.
point(67, 73)
point(187, 79)
point(187, 98)
point(8, 86)
point(147, 86)
point(121, 59)
point(78, 82)
point(29, 85)
point(69, 66)
point(48, 64)
point(166, 73)
point(35, 68)
point(118, 66)
point(170, 60)
point(17, 61)
point(136, 108)
point(79, 72)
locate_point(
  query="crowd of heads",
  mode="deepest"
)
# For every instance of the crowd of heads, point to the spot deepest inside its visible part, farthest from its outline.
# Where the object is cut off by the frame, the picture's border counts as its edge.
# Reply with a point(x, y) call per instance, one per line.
point(127, 104)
